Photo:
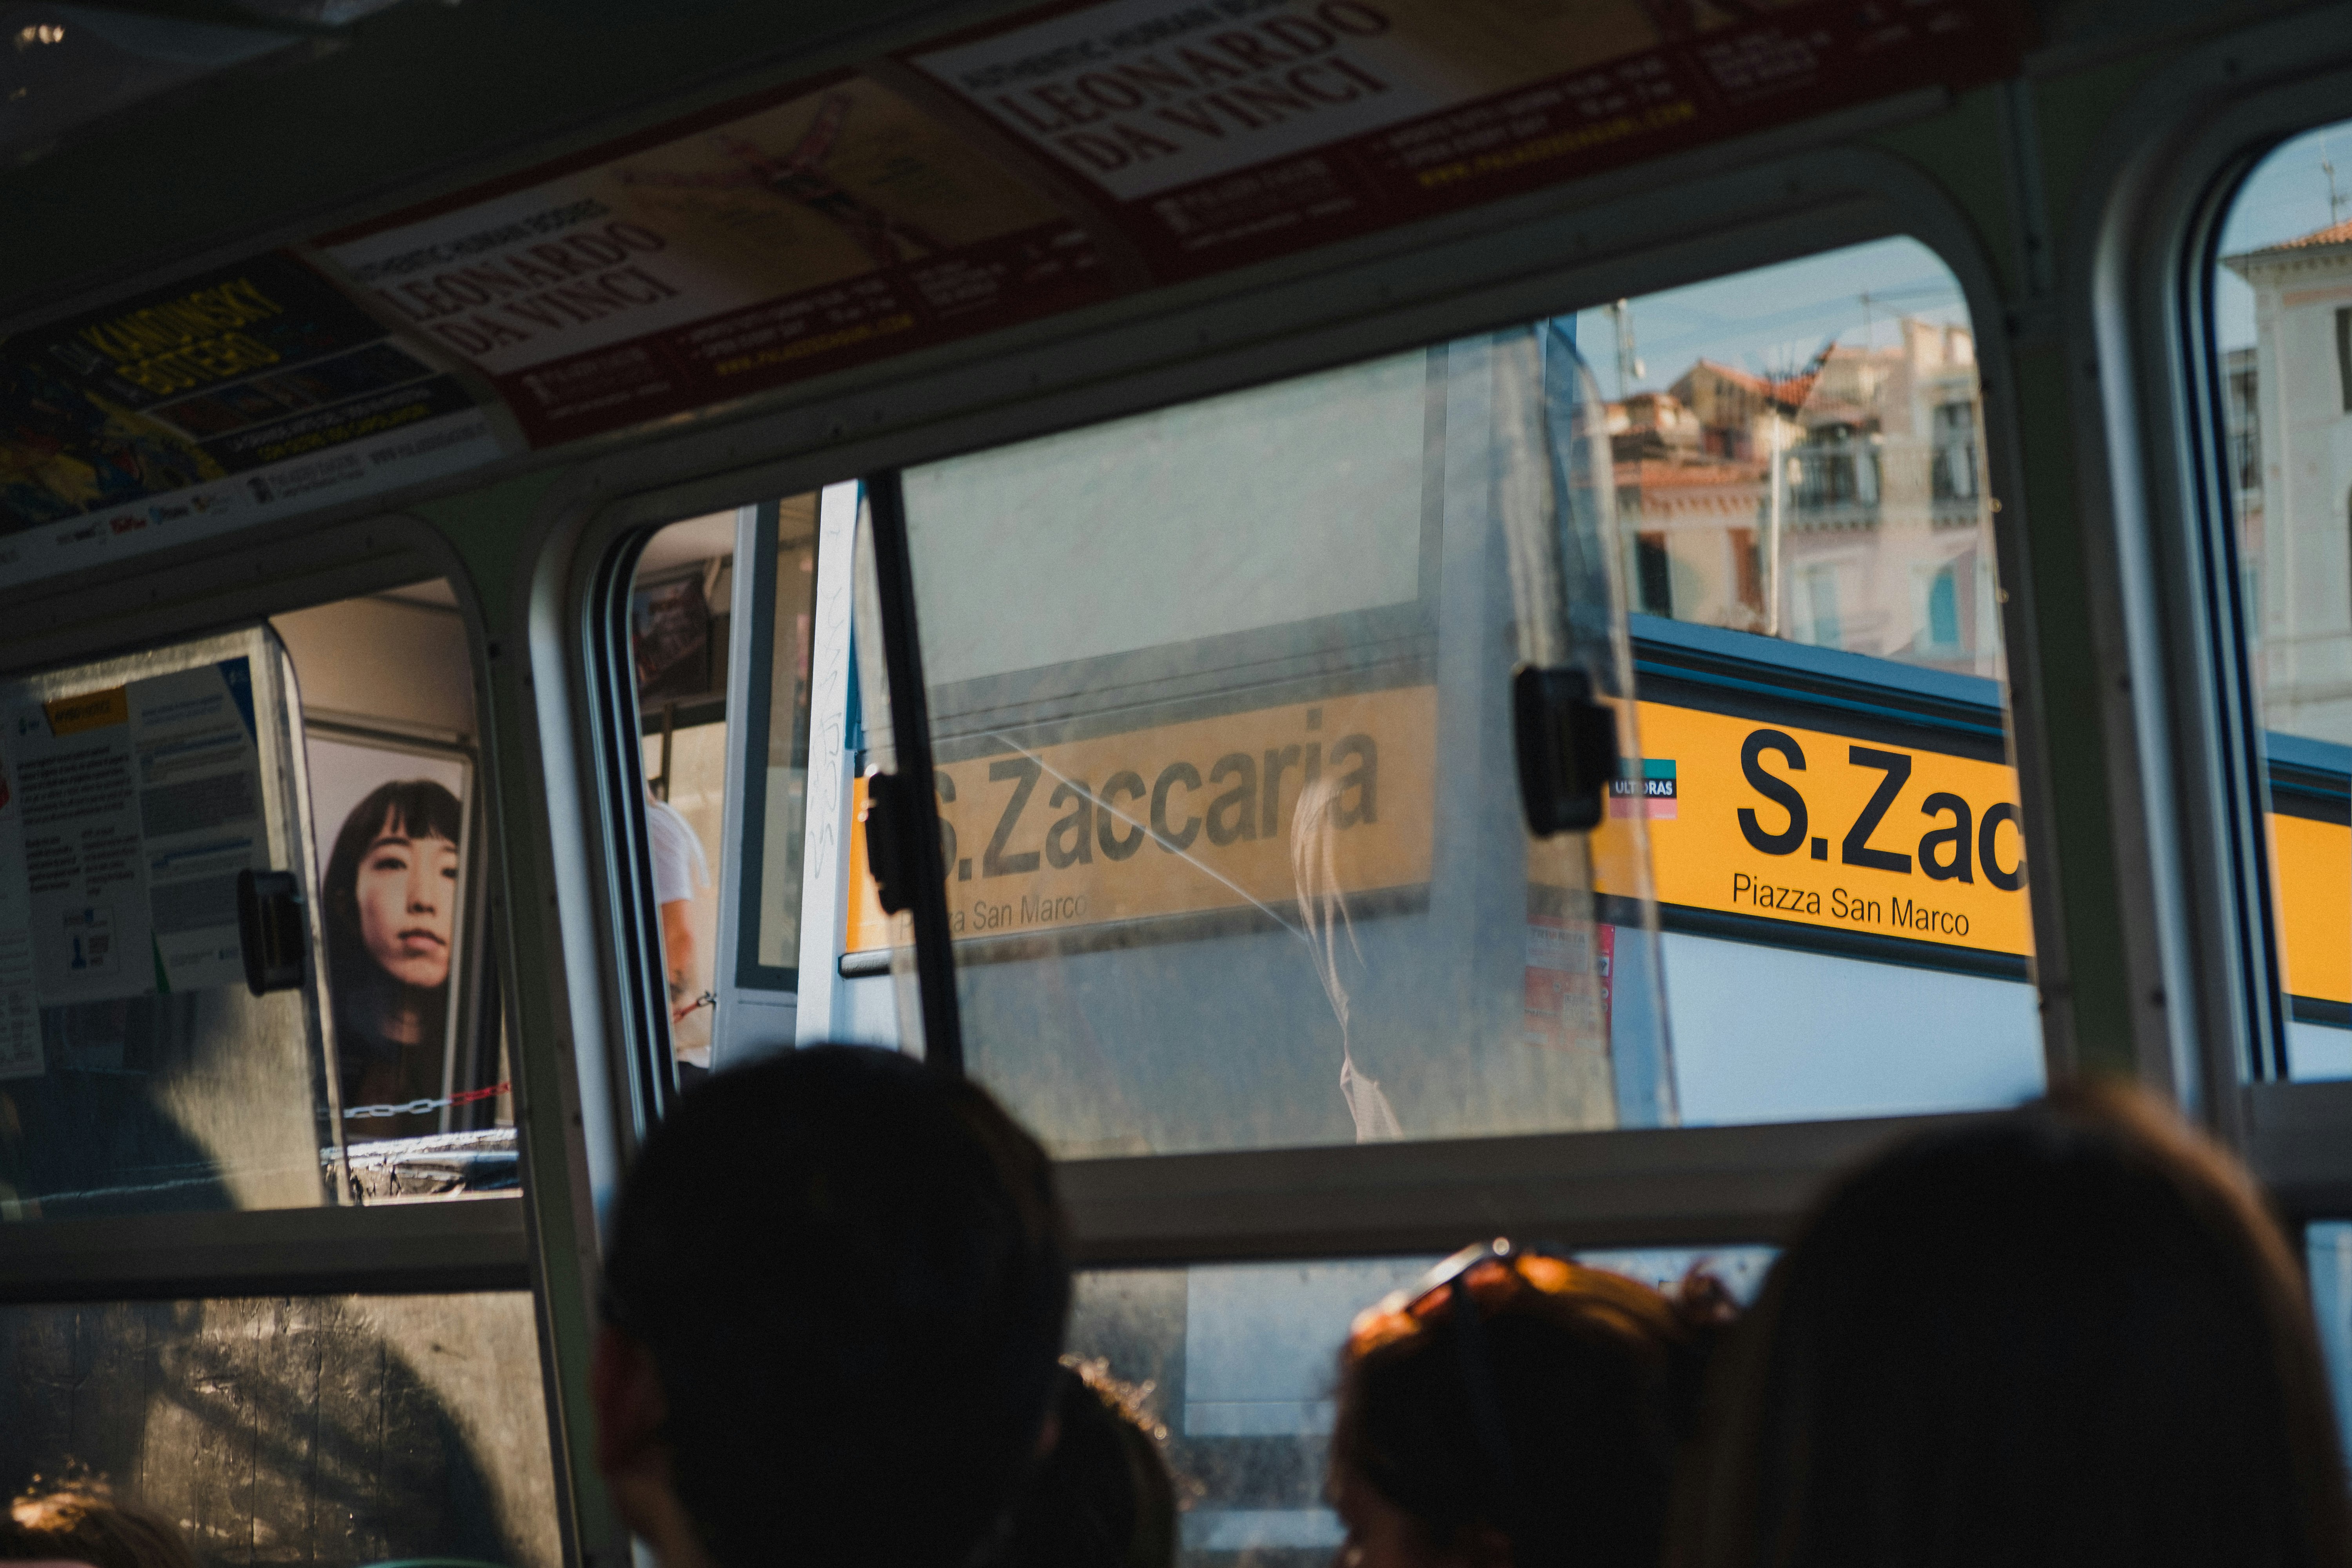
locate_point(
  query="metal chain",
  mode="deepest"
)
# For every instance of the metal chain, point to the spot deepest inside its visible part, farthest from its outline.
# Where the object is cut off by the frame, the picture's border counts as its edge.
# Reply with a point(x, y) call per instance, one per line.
point(419, 1107)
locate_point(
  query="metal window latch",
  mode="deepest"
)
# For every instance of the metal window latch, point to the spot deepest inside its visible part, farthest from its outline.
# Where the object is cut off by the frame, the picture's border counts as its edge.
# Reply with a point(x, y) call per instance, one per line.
point(271, 929)
point(885, 841)
point(1567, 747)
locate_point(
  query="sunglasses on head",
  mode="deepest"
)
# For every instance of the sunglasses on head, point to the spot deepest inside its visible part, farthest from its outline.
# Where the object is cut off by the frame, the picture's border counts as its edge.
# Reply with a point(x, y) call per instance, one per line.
point(1452, 1292)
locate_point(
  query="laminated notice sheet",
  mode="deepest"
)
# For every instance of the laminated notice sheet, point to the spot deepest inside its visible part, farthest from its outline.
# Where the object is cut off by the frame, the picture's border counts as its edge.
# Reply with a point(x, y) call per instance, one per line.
point(130, 812)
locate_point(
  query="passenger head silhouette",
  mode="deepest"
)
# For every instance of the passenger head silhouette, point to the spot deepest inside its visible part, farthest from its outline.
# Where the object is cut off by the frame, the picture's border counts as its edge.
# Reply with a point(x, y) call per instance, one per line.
point(1102, 1495)
point(2065, 1335)
point(835, 1294)
point(1518, 1411)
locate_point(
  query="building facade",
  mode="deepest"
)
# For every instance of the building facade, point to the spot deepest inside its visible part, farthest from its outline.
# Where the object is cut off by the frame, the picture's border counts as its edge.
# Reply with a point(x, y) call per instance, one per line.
point(2290, 404)
point(1840, 506)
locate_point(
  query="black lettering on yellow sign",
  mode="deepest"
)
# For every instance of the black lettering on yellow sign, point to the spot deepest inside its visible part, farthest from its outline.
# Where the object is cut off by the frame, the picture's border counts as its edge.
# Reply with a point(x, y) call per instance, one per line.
point(1067, 842)
point(1124, 785)
point(2006, 881)
point(1779, 791)
point(1914, 918)
point(1249, 806)
point(996, 862)
point(1856, 847)
point(1944, 851)
point(1958, 866)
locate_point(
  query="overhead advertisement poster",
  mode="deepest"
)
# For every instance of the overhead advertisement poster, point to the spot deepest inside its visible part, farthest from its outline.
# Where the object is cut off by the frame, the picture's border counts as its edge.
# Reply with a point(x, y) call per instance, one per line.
point(1217, 131)
point(1007, 173)
point(837, 225)
point(125, 817)
point(250, 391)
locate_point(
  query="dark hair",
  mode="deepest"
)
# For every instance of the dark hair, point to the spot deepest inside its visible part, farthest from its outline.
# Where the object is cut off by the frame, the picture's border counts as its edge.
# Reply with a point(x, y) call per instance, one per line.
point(2066, 1335)
point(1596, 1381)
point(1103, 1496)
point(417, 807)
point(851, 1275)
point(362, 990)
point(80, 1522)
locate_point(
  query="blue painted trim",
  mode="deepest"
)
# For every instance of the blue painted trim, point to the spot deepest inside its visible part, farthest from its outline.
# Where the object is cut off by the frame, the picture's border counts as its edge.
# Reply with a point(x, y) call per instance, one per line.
point(1816, 677)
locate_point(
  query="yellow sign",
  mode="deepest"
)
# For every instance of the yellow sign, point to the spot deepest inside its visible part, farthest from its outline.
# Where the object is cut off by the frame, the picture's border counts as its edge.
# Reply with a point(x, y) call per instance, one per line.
point(1748, 817)
point(1258, 809)
point(90, 710)
point(2312, 869)
point(1822, 829)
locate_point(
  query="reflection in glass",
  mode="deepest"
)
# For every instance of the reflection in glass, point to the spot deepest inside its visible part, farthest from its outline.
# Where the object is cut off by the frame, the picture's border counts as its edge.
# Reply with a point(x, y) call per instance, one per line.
point(1805, 460)
point(2283, 325)
point(1221, 711)
point(1222, 707)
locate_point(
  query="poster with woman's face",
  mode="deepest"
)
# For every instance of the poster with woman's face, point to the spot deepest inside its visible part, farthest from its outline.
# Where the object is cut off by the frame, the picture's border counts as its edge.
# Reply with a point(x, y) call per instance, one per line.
point(407, 924)
point(388, 824)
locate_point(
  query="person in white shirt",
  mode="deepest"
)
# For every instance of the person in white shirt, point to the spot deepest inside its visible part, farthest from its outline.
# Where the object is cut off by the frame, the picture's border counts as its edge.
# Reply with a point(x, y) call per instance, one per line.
point(680, 871)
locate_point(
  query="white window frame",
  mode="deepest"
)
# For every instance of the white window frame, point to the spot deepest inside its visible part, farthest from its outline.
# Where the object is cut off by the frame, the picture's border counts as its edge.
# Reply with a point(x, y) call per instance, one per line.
point(2150, 414)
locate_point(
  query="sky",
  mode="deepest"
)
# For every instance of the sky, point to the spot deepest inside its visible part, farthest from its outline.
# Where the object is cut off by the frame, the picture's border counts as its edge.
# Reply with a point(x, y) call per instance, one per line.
point(1775, 318)
point(2285, 196)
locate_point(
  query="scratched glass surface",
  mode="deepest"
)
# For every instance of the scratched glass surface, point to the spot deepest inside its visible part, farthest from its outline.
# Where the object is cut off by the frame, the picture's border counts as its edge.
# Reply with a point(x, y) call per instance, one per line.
point(1221, 701)
point(321, 1429)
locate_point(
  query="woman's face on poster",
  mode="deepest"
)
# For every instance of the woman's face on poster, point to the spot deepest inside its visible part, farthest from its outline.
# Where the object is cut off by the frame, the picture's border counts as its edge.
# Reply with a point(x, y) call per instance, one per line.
point(408, 895)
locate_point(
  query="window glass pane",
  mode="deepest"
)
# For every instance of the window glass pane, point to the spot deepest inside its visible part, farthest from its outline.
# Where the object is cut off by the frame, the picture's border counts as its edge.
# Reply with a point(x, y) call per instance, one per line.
point(723, 725)
point(2327, 1255)
point(1238, 1362)
point(785, 768)
point(1799, 453)
point(680, 607)
point(331, 1430)
point(1149, 642)
point(2282, 323)
point(390, 749)
point(137, 1071)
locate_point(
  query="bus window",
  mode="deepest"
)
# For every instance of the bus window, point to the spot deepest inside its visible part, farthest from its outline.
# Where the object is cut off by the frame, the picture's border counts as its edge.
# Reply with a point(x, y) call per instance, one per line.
point(678, 614)
point(717, 615)
point(414, 1019)
point(1235, 1365)
point(1220, 705)
point(778, 765)
point(139, 1071)
point(2282, 327)
point(331, 1428)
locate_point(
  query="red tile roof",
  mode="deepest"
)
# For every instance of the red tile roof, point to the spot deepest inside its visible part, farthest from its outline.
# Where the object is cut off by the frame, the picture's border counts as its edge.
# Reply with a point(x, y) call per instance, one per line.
point(2334, 234)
